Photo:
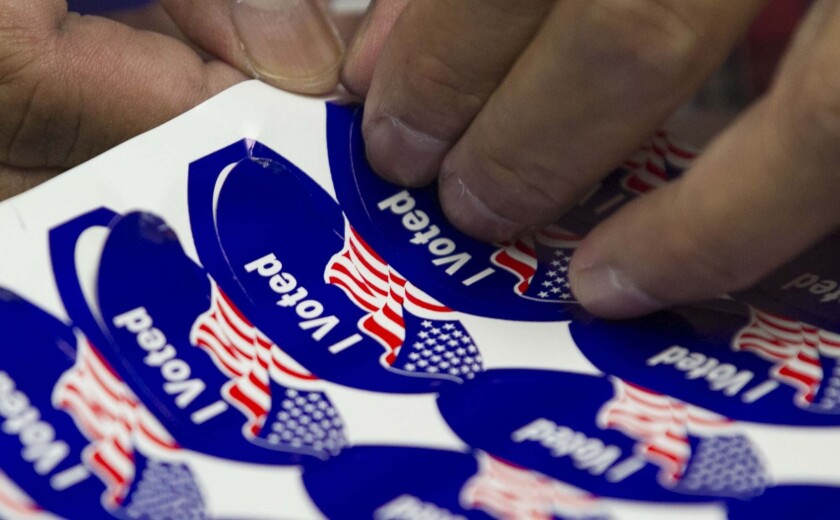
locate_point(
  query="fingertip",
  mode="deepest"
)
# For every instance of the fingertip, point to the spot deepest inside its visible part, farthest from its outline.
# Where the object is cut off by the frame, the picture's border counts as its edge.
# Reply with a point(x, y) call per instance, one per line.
point(292, 45)
point(401, 153)
point(471, 215)
point(609, 293)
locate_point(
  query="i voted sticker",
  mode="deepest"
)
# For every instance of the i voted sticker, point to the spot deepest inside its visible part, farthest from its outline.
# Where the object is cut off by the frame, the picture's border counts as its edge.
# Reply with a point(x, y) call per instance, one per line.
point(609, 438)
point(807, 288)
point(392, 483)
point(281, 250)
point(525, 280)
point(74, 437)
point(658, 161)
point(216, 382)
point(736, 360)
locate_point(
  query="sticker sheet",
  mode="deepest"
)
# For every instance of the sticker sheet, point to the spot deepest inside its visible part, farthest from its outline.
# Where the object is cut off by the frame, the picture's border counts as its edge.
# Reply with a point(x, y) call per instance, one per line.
point(233, 317)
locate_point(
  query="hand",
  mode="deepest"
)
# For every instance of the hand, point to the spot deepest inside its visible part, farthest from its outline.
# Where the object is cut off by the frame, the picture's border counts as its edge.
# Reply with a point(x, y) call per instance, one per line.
point(519, 108)
point(73, 86)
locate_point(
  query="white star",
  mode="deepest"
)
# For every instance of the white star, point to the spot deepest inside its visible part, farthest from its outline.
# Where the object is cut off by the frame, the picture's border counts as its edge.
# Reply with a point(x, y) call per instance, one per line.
point(552, 274)
point(432, 370)
point(414, 356)
point(555, 290)
point(452, 343)
point(444, 365)
point(543, 294)
point(422, 363)
point(449, 326)
point(547, 283)
point(426, 324)
point(453, 371)
point(440, 348)
point(556, 263)
point(445, 337)
point(431, 341)
point(457, 333)
point(466, 340)
point(423, 334)
point(564, 269)
point(435, 330)
point(434, 359)
point(418, 345)
point(558, 252)
point(410, 367)
point(460, 352)
point(565, 295)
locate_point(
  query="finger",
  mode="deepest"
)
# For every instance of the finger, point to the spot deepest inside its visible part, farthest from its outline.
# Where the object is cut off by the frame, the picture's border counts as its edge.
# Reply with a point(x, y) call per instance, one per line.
point(364, 50)
point(14, 181)
point(291, 44)
point(73, 86)
point(764, 191)
point(598, 79)
point(442, 60)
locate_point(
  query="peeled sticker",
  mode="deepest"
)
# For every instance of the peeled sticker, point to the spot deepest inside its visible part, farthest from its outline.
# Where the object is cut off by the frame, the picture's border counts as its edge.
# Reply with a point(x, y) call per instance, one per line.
point(215, 381)
point(523, 280)
point(279, 247)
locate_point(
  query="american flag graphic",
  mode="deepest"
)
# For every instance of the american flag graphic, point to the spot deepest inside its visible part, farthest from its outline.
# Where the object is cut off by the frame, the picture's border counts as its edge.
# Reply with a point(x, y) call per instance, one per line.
point(111, 417)
point(509, 492)
point(541, 264)
point(662, 428)
point(266, 383)
point(803, 356)
point(418, 334)
point(658, 161)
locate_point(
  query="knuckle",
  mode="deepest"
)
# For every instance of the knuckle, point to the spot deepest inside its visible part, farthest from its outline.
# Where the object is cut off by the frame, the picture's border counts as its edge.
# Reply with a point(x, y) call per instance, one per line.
point(654, 39)
point(817, 107)
point(524, 189)
point(441, 92)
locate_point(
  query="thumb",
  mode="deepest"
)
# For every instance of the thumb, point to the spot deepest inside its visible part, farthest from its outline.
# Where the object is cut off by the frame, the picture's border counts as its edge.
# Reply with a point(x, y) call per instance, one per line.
point(764, 191)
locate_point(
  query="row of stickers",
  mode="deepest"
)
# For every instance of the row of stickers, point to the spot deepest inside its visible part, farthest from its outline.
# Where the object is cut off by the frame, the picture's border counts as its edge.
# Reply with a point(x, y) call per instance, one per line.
point(302, 293)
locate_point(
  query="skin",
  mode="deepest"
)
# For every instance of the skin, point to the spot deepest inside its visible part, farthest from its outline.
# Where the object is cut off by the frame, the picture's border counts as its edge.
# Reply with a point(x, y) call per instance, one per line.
point(519, 108)
point(74, 86)
point(516, 108)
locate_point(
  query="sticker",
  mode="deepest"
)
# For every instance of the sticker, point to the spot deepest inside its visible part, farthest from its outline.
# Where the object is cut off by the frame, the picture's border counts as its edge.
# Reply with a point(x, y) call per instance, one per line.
point(392, 483)
point(612, 439)
point(657, 162)
point(525, 280)
point(216, 382)
point(280, 248)
point(73, 434)
point(807, 288)
point(738, 361)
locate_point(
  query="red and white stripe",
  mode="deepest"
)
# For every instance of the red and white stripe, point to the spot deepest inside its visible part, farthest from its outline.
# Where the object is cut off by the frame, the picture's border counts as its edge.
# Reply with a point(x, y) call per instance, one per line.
point(15, 503)
point(374, 286)
point(107, 412)
point(794, 348)
point(660, 424)
point(509, 492)
point(647, 167)
point(520, 257)
point(244, 354)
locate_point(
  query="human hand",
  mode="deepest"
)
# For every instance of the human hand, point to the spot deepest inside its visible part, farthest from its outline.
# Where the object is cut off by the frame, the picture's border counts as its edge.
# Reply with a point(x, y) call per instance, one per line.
point(73, 86)
point(519, 108)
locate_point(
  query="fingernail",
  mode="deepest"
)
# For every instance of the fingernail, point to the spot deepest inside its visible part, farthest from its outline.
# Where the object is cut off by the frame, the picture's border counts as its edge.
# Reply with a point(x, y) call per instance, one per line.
point(290, 43)
point(471, 215)
point(607, 292)
point(402, 153)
